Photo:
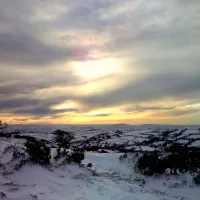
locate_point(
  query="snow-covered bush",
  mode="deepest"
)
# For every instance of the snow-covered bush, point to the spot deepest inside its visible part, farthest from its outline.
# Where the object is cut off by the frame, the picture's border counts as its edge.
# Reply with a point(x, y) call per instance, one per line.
point(68, 155)
point(38, 151)
point(61, 152)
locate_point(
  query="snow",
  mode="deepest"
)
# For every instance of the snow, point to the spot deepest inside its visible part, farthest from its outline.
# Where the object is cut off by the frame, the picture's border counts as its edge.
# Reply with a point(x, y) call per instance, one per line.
point(139, 139)
point(194, 136)
point(72, 182)
point(107, 179)
point(144, 148)
point(183, 141)
point(188, 132)
point(195, 144)
point(170, 188)
point(107, 162)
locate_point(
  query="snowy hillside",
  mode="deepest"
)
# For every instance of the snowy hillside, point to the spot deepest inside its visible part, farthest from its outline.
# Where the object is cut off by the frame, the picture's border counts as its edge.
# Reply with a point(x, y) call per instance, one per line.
point(102, 175)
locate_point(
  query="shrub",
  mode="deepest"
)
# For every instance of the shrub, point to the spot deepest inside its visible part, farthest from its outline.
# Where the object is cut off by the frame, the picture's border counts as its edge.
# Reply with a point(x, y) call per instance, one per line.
point(147, 163)
point(77, 156)
point(63, 138)
point(61, 153)
point(92, 148)
point(5, 135)
point(38, 151)
point(197, 179)
point(176, 157)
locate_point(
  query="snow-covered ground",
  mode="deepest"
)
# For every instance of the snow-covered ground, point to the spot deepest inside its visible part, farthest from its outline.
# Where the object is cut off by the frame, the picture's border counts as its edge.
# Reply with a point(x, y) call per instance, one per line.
point(107, 179)
point(114, 180)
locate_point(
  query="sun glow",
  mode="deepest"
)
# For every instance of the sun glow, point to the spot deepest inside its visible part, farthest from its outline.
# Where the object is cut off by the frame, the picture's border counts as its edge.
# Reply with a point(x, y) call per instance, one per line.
point(66, 105)
point(94, 68)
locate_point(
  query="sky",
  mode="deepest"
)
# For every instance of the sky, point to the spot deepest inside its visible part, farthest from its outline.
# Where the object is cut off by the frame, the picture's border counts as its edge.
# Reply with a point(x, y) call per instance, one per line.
point(100, 61)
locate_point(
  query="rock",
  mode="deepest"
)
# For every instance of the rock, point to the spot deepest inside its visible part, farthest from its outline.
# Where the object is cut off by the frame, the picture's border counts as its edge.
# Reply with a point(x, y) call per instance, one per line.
point(89, 165)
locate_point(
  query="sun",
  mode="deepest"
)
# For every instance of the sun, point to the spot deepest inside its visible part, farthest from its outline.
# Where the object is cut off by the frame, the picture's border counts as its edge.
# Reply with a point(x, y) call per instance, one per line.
point(92, 68)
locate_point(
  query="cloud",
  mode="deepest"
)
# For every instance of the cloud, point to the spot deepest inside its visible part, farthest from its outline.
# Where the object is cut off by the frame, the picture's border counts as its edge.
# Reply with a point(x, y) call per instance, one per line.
point(16, 103)
point(139, 108)
point(183, 112)
point(22, 39)
point(157, 43)
point(23, 81)
point(177, 112)
point(22, 49)
point(43, 111)
point(152, 88)
point(34, 106)
point(101, 115)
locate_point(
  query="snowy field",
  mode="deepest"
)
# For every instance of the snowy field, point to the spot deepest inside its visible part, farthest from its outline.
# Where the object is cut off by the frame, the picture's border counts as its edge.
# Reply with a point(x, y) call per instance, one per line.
point(108, 178)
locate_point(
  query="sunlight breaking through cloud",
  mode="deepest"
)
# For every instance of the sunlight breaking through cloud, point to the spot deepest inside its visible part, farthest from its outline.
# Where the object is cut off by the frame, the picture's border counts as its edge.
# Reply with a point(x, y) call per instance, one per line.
point(63, 60)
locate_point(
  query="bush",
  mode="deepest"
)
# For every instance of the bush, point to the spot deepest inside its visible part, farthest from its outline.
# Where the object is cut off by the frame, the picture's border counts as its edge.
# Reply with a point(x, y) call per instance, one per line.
point(77, 156)
point(92, 148)
point(176, 157)
point(38, 151)
point(147, 163)
point(5, 135)
point(61, 153)
point(197, 179)
point(63, 138)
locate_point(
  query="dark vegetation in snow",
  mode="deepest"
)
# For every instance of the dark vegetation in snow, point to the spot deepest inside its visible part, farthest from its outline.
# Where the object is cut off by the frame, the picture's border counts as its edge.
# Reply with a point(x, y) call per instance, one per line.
point(178, 158)
point(63, 138)
point(153, 151)
point(197, 179)
point(38, 151)
point(77, 156)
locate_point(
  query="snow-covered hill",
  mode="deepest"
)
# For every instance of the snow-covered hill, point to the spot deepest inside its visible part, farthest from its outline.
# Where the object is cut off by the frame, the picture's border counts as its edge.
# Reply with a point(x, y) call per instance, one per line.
point(108, 178)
